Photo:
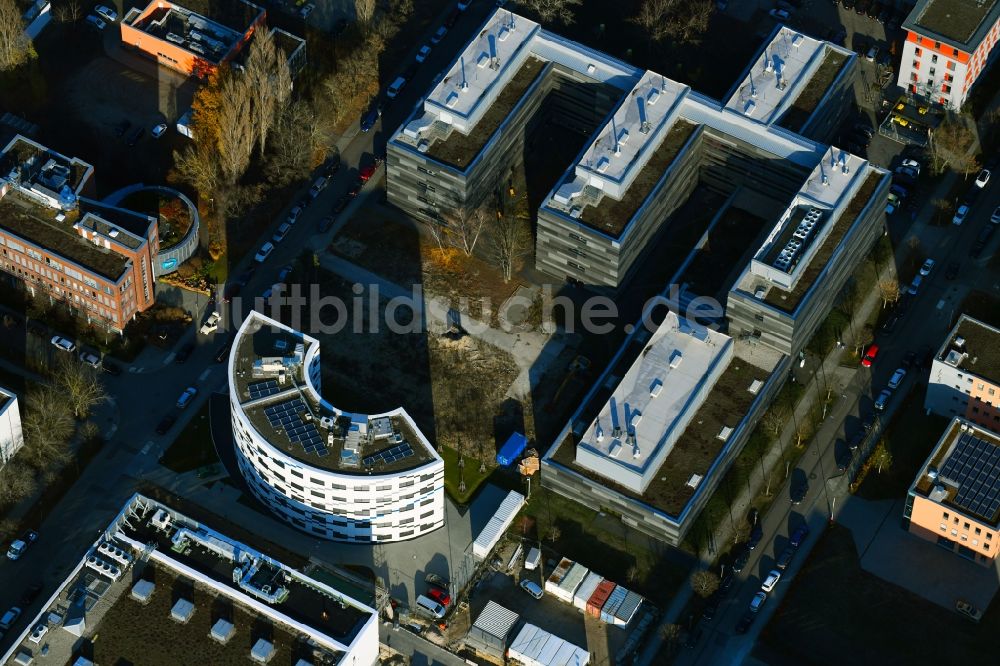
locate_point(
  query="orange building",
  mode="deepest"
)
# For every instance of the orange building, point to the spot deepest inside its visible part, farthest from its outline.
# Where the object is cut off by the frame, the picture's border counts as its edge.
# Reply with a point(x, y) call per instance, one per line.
point(194, 39)
point(95, 259)
point(955, 501)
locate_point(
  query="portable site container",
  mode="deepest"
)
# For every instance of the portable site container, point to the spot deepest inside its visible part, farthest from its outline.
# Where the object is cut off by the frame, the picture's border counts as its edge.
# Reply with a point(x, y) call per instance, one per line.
point(612, 604)
point(552, 583)
point(570, 582)
point(498, 524)
point(627, 610)
point(599, 598)
point(586, 590)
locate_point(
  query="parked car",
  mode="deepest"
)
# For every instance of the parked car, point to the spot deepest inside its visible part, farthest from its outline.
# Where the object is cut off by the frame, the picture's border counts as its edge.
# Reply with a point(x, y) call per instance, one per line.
point(897, 378)
point(159, 130)
point(423, 53)
point(367, 172)
point(854, 441)
point(95, 23)
point(281, 232)
point(870, 355)
point(770, 580)
point(532, 588)
point(211, 324)
point(31, 594)
point(19, 546)
point(264, 252)
point(223, 352)
point(883, 399)
point(90, 358)
point(893, 203)
point(294, 213)
point(393, 90)
point(62, 344)
point(915, 285)
point(890, 324)
point(798, 491)
point(106, 13)
point(440, 596)
point(744, 624)
point(843, 462)
point(340, 204)
point(756, 534)
point(110, 367)
point(439, 35)
point(318, 186)
point(758, 602)
point(983, 178)
point(911, 164)
point(798, 536)
point(779, 14)
point(453, 16)
point(431, 607)
point(968, 610)
point(355, 189)
point(9, 618)
point(960, 214)
point(184, 353)
point(741, 561)
point(926, 269)
point(186, 397)
point(306, 10)
point(134, 137)
point(326, 224)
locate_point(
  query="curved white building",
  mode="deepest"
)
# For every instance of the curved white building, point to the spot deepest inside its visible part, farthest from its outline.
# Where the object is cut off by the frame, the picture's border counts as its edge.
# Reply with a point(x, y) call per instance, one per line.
point(341, 476)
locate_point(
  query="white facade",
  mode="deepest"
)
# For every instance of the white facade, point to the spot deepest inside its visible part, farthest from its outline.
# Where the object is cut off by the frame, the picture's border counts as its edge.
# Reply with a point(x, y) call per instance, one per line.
point(11, 435)
point(341, 505)
point(934, 75)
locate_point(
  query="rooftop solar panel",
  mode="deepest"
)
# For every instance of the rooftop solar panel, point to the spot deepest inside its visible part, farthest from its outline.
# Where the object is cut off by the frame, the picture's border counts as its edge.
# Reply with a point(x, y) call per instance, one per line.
point(974, 467)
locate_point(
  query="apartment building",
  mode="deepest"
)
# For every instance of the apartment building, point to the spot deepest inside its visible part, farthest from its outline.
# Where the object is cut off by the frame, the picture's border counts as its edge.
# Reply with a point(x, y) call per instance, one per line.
point(948, 45)
point(965, 375)
point(11, 434)
point(193, 39)
point(337, 475)
point(156, 579)
point(95, 259)
point(655, 434)
point(955, 499)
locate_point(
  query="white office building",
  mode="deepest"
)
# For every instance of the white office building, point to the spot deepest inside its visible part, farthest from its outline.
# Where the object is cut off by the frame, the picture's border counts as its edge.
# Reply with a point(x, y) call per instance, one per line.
point(11, 435)
point(338, 475)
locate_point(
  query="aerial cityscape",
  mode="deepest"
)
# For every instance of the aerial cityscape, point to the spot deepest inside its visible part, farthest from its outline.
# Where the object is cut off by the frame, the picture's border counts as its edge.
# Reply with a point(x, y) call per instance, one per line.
point(499, 332)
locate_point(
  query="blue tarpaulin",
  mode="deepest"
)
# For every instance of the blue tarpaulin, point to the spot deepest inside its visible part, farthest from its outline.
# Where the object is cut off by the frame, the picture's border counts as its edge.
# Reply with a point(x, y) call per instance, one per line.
point(514, 447)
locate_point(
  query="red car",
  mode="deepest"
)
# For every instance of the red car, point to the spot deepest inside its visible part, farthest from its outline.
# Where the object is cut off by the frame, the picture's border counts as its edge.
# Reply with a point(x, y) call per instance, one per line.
point(440, 596)
point(367, 172)
point(870, 356)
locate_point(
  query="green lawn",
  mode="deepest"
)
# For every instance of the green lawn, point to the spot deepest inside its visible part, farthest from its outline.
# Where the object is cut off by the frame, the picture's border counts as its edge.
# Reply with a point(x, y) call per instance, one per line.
point(193, 448)
point(837, 613)
point(603, 543)
point(910, 438)
point(453, 475)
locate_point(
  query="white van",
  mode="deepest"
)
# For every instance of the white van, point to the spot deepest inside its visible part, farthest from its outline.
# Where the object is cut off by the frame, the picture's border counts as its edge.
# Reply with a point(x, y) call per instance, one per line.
point(430, 606)
point(395, 87)
point(532, 560)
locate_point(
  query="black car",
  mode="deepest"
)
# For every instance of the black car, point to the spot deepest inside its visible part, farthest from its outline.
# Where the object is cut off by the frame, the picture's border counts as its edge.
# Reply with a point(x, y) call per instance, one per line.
point(410, 71)
point(355, 188)
point(184, 353)
point(786, 557)
point(122, 127)
point(452, 18)
point(798, 493)
point(164, 426)
point(30, 595)
point(727, 582)
point(331, 167)
point(134, 137)
point(855, 440)
point(223, 352)
point(843, 462)
point(744, 624)
point(951, 271)
point(110, 367)
point(325, 224)
point(753, 515)
point(231, 291)
point(868, 422)
point(741, 561)
point(756, 534)
point(890, 324)
point(370, 118)
point(711, 607)
point(340, 205)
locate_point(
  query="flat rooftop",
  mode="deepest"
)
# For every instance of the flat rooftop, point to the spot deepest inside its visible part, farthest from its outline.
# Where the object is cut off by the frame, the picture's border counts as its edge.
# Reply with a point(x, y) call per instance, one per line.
point(810, 94)
point(974, 347)
point(268, 365)
point(177, 559)
point(38, 225)
point(804, 239)
point(962, 23)
point(726, 405)
point(653, 402)
point(208, 29)
point(783, 72)
point(963, 472)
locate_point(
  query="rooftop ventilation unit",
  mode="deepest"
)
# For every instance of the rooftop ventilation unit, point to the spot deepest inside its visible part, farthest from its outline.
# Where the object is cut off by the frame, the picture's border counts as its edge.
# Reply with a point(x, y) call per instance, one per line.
point(938, 493)
point(675, 359)
point(591, 68)
point(652, 97)
point(755, 387)
point(694, 481)
point(603, 164)
point(749, 106)
point(599, 432)
point(616, 449)
point(483, 60)
point(724, 433)
point(655, 388)
point(959, 343)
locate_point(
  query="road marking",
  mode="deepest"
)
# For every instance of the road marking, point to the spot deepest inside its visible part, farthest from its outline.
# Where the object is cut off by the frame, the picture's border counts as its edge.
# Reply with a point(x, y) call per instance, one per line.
point(145, 449)
point(203, 376)
point(940, 304)
point(169, 358)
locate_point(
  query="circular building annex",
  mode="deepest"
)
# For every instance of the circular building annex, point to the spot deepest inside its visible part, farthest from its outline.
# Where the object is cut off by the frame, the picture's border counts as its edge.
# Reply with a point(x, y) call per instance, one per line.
point(345, 477)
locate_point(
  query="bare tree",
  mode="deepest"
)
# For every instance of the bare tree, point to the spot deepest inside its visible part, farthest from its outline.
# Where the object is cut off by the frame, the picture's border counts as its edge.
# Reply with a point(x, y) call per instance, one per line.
point(438, 233)
point(670, 634)
point(68, 11)
point(47, 425)
point(269, 82)
point(553, 11)
point(682, 21)
point(299, 136)
point(774, 419)
point(803, 432)
point(15, 46)
point(704, 583)
point(17, 481)
point(236, 132)
point(79, 386)
point(364, 10)
point(466, 226)
point(198, 166)
point(889, 290)
point(632, 574)
point(510, 240)
point(554, 534)
point(953, 144)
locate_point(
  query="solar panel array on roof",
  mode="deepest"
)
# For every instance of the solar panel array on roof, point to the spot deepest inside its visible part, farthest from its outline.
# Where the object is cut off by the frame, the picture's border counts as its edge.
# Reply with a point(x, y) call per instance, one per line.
point(263, 389)
point(974, 465)
point(288, 417)
point(388, 456)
